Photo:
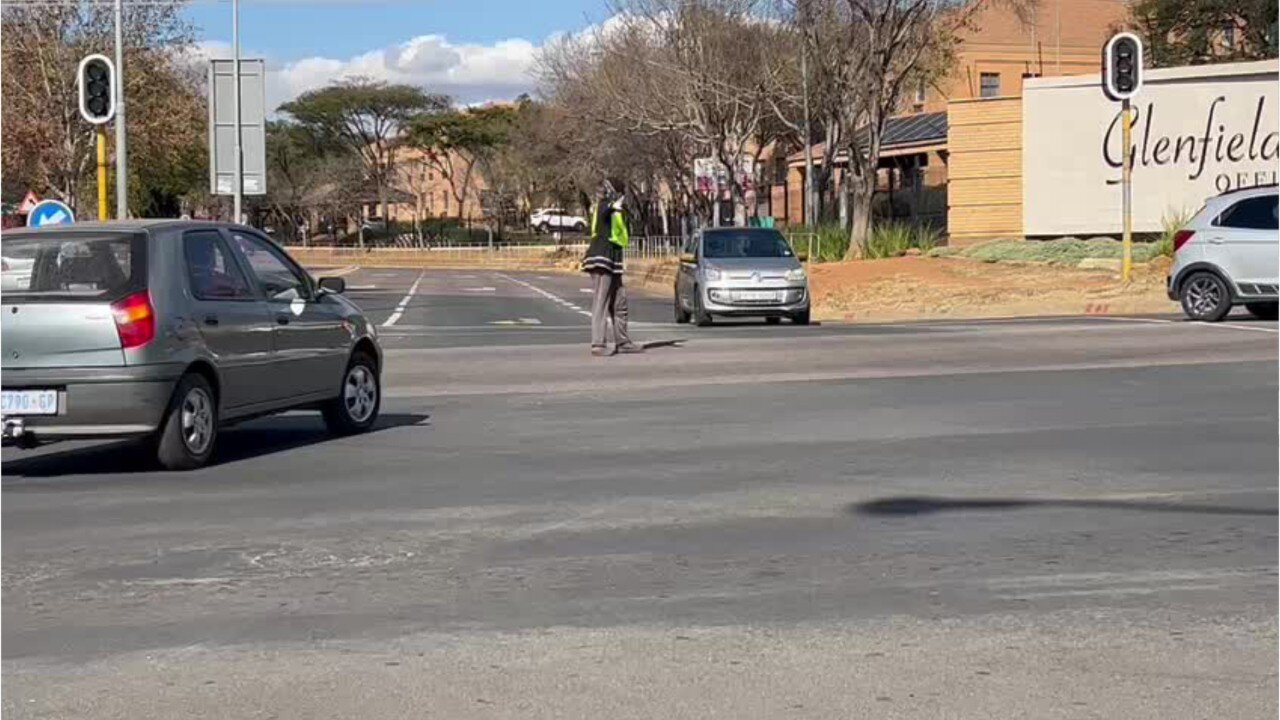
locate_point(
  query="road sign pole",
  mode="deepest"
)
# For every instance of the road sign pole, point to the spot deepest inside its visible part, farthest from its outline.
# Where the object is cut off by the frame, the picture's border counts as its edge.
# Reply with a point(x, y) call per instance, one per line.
point(122, 146)
point(1126, 175)
point(235, 41)
point(101, 134)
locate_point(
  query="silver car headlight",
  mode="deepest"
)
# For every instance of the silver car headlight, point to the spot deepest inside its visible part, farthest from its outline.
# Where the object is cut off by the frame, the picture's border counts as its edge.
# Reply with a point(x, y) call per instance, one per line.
point(713, 274)
point(795, 274)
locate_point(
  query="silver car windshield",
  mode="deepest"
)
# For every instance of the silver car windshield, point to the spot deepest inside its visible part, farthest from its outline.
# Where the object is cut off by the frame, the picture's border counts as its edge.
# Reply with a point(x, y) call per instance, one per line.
point(71, 266)
point(745, 244)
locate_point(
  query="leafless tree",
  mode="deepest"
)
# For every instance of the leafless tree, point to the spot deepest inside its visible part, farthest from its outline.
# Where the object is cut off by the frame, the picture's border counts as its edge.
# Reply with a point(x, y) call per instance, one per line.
point(682, 78)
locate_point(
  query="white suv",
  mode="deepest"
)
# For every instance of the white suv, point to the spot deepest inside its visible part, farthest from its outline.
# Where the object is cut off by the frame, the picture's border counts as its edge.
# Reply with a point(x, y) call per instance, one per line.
point(1228, 255)
point(553, 219)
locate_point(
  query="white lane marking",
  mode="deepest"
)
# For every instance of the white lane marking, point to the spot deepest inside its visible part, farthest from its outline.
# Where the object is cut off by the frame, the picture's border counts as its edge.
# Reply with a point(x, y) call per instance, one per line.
point(553, 298)
point(404, 331)
point(344, 271)
point(395, 316)
point(481, 289)
point(356, 288)
point(521, 321)
point(1191, 323)
point(1232, 326)
point(586, 290)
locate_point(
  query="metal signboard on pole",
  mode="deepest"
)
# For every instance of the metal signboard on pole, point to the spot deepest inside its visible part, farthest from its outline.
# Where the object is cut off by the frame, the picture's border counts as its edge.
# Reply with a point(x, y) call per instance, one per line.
point(222, 127)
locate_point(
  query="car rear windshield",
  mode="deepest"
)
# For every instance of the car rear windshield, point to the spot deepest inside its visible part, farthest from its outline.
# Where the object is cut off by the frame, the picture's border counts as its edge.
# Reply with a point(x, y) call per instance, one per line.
point(72, 266)
point(745, 244)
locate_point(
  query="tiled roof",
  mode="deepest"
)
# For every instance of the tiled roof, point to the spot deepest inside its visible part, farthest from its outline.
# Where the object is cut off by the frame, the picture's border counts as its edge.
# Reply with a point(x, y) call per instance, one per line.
point(902, 132)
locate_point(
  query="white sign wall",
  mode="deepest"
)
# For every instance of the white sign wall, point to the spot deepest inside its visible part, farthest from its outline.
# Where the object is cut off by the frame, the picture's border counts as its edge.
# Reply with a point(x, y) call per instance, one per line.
point(1197, 132)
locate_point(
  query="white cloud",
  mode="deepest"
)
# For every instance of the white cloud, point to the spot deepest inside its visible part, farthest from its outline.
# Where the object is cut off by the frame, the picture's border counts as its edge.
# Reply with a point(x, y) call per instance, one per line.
point(467, 72)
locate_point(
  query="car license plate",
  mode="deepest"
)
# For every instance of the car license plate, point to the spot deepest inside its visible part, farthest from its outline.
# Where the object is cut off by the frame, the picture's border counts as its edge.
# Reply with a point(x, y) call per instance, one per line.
point(29, 402)
point(757, 295)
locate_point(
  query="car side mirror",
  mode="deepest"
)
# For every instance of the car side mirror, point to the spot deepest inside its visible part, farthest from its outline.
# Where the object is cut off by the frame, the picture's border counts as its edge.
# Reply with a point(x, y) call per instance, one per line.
point(333, 284)
point(689, 258)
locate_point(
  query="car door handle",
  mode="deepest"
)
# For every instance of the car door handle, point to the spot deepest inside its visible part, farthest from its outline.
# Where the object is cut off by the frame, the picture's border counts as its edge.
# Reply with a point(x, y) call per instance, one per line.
point(210, 319)
point(1216, 240)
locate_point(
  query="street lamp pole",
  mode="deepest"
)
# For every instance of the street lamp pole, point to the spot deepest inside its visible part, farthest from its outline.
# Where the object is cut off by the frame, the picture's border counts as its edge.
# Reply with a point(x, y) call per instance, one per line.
point(235, 42)
point(122, 148)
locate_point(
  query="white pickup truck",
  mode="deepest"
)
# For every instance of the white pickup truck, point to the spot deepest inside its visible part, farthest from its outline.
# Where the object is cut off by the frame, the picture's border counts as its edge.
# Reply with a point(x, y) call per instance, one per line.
point(556, 219)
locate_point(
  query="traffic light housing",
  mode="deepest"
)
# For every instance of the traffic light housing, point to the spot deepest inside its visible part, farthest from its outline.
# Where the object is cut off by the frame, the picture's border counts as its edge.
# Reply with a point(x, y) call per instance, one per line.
point(97, 80)
point(1122, 66)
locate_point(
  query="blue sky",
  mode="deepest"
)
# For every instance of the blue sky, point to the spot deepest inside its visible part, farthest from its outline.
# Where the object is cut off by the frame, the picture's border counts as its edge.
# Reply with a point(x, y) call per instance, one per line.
point(474, 50)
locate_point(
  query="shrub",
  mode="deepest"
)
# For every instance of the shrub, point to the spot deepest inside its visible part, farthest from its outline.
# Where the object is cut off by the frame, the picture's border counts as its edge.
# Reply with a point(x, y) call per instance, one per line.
point(887, 240)
point(1067, 251)
point(1171, 223)
point(893, 239)
point(831, 243)
point(926, 238)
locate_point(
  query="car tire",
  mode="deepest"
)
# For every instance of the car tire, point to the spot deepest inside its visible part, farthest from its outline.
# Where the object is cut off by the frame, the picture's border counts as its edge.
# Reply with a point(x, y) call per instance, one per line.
point(580, 227)
point(544, 228)
point(682, 316)
point(773, 320)
point(190, 429)
point(1263, 310)
point(1205, 297)
point(359, 399)
point(801, 318)
point(701, 317)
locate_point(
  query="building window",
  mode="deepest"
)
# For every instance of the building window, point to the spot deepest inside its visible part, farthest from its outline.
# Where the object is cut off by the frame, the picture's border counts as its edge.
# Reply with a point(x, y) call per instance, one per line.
point(1229, 36)
point(920, 96)
point(990, 85)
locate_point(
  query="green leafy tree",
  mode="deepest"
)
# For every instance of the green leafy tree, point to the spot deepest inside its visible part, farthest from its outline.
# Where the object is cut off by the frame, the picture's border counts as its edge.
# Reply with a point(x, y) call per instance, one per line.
point(368, 118)
point(1194, 32)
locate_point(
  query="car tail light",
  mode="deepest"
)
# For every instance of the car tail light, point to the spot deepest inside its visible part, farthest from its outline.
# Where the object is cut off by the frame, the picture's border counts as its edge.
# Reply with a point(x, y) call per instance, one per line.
point(1182, 237)
point(135, 320)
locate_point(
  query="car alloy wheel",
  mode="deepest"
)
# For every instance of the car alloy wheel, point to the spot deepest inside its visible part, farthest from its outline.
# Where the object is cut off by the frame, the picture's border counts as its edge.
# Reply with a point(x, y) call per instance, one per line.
point(360, 393)
point(1205, 297)
point(197, 421)
point(190, 428)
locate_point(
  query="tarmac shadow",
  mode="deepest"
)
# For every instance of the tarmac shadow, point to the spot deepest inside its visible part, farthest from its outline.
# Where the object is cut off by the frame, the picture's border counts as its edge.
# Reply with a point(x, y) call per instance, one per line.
point(242, 442)
point(904, 506)
point(655, 344)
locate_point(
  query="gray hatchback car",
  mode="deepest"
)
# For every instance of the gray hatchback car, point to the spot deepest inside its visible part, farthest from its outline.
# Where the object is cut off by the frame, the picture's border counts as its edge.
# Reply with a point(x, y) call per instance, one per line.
point(169, 330)
point(740, 272)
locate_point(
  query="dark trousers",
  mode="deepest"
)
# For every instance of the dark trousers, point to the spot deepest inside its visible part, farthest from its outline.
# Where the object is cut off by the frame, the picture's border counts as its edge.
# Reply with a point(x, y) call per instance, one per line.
point(608, 307)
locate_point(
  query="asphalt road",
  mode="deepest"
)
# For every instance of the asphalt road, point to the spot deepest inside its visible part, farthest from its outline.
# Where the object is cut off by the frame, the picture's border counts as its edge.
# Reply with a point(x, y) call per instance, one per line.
point(1068, 518)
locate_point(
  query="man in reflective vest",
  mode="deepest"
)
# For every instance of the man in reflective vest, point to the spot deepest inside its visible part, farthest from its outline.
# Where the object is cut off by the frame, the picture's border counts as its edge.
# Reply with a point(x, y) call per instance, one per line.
point(603, 263)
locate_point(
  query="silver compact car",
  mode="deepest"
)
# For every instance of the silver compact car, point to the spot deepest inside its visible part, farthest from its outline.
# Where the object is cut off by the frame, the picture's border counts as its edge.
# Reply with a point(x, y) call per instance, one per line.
point(169, 330)
point(740, 272)
point(1228, 255)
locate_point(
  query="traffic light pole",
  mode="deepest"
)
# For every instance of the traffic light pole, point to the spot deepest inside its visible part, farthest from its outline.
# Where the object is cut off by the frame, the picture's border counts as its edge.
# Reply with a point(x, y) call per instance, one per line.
point(101, 134)
point(1126, 181)
point(122, 146)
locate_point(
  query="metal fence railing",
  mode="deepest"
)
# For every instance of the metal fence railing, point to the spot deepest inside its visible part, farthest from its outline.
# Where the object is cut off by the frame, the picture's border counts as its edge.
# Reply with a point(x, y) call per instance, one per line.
point(644, 247)
point(654, 247)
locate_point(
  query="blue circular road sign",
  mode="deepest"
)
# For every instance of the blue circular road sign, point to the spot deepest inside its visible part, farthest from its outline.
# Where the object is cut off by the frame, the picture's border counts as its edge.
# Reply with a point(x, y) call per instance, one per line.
point(50, 212)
